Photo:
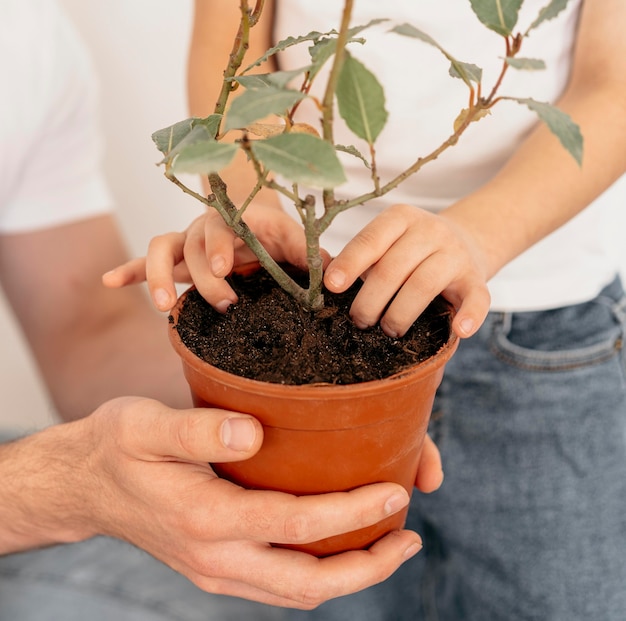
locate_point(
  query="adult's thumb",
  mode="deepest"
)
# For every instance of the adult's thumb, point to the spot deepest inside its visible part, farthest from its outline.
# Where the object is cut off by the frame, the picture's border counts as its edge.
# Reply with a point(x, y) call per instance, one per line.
point(200, 434)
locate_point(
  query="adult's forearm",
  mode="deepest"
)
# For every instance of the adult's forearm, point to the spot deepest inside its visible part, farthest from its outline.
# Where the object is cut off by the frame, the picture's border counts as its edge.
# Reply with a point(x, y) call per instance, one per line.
point(41, 478)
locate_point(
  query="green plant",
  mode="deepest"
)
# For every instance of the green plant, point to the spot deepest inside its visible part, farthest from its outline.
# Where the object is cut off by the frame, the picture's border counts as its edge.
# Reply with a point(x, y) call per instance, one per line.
point(306, 158)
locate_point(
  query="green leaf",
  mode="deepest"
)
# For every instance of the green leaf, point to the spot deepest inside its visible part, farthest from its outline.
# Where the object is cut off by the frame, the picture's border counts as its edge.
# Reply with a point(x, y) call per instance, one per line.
point(323, 49)
point(301, 158)
point(284, 44)
point(526, 64)
point(361, 100)
point(320, 53)
point(498, 15)
point(465, 71)
point(560, 124)
point(199, 152)
point(167, 138)
point(280, 79)
point(468, 72)
point(204, 158)
point(549, 12)
point(352, 150)
point(259, 103)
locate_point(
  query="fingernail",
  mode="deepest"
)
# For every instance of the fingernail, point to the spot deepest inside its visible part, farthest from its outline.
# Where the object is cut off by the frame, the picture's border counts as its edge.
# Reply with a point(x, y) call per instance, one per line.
point(361, 325)
point(412, 550)
point(223, 306)
point(395, 503)
point(238, 434)
point(161, 299)
point(467, 325)
point(389, 331)
point(218, 263)
point(337, 278)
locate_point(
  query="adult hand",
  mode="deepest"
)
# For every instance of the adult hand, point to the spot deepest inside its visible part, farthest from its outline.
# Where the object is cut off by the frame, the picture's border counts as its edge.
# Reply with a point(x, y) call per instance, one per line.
point(138, 470)
point(413, 255)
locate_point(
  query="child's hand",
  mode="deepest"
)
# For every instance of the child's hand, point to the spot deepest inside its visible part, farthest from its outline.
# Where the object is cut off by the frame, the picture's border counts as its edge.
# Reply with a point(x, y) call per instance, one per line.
point(416, 254)
point(206, 252)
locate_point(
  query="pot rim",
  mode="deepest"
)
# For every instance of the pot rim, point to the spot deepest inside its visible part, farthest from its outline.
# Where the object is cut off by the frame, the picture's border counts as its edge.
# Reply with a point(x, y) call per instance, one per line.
point(306, 391)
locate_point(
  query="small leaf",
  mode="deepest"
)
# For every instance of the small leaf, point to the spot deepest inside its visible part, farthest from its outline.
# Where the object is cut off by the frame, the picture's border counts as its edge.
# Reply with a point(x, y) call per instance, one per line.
point(167, 138)
point(199, 152)
point(265, 130)
point(320, 53)
point(498, 15)
point(462, 117)
point(560, 124)
point(285, 44)
point(279, 79)
point(352, 150)
point(526, 64)
point(197, 134)
point(204, 158)
point(361, 100)
point(323, 49)
point(301, 158)
point(549, 12)
point(258, 103)
point(465, 71)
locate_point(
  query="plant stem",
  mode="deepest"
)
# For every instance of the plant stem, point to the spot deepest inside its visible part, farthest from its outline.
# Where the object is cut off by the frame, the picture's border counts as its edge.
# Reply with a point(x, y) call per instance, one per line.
point(331, 86)
point(229, 212)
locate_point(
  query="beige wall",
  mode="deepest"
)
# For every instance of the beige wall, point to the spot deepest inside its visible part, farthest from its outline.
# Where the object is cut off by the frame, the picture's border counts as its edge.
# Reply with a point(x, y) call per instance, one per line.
point(140, 56)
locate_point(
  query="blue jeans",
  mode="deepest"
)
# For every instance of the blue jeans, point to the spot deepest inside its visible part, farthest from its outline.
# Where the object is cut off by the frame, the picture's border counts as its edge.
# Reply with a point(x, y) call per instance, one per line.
point(104, 579)
point(530, 523)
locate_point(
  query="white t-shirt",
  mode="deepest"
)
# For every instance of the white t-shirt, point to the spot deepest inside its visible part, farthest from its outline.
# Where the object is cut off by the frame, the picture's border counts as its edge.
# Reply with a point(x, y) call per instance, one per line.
point(50, 145)
point(569, 266)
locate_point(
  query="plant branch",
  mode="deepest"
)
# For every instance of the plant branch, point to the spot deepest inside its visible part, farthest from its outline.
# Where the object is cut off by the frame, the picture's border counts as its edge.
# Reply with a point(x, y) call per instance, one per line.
point(229, 212)
point(240, 46)
point(331, 86)
point(187, 190)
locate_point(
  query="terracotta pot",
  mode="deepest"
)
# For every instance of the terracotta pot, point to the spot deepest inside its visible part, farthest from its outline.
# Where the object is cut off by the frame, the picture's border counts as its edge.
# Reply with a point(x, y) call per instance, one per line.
point(325, 438)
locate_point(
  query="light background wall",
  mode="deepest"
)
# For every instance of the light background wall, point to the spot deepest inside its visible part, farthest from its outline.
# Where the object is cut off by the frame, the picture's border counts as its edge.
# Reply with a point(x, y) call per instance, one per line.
point(139, 50)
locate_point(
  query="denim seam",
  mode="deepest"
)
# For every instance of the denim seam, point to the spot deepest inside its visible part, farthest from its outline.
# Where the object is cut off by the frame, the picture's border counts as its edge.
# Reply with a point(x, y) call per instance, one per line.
point(565, 360)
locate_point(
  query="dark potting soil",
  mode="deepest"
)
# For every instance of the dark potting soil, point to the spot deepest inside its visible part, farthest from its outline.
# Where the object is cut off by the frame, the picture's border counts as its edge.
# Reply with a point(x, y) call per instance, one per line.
point(267, 336)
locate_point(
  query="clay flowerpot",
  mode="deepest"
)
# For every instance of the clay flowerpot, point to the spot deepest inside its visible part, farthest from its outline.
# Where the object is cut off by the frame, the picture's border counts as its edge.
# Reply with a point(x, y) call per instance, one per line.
point(325, 438)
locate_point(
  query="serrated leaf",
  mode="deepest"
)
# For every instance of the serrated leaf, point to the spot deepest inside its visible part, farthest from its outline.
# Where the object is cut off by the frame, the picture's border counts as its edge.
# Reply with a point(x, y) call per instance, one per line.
point(320, 52)
point(285, 44)
point(361, 100)
point(549, 12)
point(560, 124)
point(465, 71)
point(167, 138)
point(301, 158)
point(258, 103)
point(498, 15)
point(323, 49)
point(526, 64)
point(352, 150)
point(279, 79)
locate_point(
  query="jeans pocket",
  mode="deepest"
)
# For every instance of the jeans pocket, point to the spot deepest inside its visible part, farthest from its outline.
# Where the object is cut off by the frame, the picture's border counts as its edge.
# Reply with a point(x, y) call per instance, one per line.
point(563, 339)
